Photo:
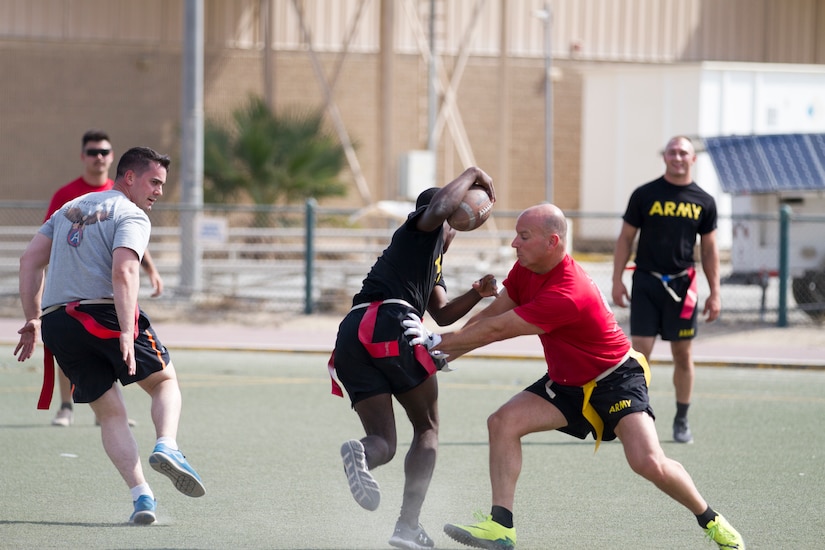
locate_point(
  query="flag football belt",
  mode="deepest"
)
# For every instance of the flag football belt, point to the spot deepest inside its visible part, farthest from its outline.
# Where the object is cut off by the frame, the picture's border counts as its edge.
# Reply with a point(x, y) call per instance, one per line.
point(588, 412)
point(91, 325)
point(691, 295)
point(379, 350)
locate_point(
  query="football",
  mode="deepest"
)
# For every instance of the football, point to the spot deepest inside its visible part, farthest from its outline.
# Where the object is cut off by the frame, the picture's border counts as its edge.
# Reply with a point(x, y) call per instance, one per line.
point(473, 211)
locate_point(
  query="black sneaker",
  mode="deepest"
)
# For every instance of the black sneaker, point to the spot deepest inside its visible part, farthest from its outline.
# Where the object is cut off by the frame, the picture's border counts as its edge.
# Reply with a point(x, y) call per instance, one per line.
point(411, 539)
point(681, 431)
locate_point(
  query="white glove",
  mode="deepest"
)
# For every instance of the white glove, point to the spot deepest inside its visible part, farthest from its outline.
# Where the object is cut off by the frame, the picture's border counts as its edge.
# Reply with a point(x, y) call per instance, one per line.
point(417, 333)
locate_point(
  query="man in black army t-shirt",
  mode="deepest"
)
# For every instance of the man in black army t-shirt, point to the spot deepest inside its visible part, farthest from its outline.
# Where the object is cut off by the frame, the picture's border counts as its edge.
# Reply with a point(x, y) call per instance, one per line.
point(669, 213)
point(374, 361)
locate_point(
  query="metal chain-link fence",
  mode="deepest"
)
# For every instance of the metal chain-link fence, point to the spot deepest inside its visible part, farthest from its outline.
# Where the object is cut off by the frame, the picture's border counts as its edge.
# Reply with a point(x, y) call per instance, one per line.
point(268, 258)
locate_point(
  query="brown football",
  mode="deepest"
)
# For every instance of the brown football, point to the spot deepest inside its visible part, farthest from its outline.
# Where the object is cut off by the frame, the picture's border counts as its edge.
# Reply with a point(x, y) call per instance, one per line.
point(473, 211)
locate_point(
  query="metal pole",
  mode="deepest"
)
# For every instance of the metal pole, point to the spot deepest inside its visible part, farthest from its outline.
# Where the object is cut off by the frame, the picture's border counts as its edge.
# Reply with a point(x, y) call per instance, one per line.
point(309, 254)
point(385, 81)
point(191, 148)
point(269, 85)
point(784, 223)
point(431, 76)
point(548, 103)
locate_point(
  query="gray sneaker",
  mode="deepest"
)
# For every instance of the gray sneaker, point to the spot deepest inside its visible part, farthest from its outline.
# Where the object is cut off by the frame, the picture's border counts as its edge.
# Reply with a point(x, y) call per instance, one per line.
point(411, 539)
point(363, 486)
point(64, 417)
point(681, 431)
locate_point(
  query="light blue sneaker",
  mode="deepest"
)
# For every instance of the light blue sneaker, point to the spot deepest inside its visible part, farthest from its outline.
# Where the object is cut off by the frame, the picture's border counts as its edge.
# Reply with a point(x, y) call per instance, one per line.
point(173, 465)
point(144, 513)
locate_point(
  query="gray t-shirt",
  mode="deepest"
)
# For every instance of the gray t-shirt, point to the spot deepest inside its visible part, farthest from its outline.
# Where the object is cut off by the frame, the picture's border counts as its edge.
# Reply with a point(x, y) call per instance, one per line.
point(85, 233)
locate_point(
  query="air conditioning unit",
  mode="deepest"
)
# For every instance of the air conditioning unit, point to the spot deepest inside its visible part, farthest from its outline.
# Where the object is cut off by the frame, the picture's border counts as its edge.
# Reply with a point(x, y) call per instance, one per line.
point(417, 173)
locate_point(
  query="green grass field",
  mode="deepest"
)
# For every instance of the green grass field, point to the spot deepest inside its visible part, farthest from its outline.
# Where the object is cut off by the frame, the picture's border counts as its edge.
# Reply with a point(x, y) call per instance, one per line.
point(263, 431)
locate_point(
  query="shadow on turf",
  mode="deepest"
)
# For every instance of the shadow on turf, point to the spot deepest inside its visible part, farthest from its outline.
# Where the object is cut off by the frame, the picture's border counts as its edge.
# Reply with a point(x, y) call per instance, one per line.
point(524, 443)
point(74, 524)
point(30, 426)
point(573, 442)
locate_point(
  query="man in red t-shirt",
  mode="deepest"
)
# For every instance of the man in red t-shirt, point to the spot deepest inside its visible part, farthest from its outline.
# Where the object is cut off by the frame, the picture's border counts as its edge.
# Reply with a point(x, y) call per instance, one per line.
point(595, 382)
point(97, 156)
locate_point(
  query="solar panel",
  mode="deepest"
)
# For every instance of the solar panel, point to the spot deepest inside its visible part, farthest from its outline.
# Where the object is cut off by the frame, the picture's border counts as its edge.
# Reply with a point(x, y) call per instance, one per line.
point(818, 147)
point(768, 164)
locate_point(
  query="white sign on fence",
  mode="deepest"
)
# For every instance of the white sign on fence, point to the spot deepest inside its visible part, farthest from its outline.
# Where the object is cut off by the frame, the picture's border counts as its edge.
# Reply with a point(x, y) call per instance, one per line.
point(213, 230)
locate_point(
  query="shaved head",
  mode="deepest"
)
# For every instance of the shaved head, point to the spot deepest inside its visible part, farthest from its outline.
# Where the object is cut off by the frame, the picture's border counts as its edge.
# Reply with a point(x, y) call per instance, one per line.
point(549, 218)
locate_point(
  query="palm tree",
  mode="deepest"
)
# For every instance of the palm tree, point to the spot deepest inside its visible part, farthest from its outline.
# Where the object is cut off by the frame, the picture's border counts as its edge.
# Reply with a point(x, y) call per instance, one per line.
point(270, 158)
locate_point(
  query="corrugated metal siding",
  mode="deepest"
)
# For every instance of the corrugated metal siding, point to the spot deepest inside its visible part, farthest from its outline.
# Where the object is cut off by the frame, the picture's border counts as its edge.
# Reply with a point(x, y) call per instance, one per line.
point(484, 35)
point(773, 31)
point(330, 23)
point(151, 21)
point(19, 18)
point(286, 34)
point(610, 30)
point(231, 24)
point(819, 33)
point(733, 30)
point(792, 36)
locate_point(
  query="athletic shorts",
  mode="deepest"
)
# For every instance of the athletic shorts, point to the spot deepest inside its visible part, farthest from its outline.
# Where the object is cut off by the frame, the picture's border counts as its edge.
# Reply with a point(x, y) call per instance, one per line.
point(94, 364)
point(621, 393)
point(364, 376)
point(654, 311)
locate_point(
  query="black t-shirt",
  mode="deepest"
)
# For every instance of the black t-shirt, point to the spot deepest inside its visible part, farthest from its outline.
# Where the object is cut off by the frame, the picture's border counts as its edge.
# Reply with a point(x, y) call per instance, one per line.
point(409, 268)
point(669, 217)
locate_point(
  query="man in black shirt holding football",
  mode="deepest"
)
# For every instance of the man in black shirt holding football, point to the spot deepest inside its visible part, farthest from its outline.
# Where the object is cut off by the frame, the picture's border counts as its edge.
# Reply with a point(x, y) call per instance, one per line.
point(374, 361)
point(668, 213)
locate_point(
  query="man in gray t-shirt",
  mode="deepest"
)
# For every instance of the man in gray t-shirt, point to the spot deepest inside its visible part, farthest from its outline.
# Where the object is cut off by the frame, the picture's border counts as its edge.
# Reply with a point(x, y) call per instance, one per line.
point(93, 326)
point(84, 232)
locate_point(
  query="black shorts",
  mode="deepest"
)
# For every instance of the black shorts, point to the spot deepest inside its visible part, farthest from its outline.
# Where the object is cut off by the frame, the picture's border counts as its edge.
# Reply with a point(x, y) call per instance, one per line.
point(364, 376)
point(622, 392)
point(654, 311)
point(94, 364)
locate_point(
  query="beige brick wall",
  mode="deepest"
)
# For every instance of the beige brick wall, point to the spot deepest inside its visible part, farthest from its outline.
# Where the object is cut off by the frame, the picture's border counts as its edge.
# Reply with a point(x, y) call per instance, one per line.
point(58, 91)
point(61, 89)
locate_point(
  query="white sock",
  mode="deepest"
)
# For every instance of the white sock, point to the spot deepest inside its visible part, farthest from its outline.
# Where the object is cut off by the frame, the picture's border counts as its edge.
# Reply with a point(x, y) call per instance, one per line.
point(168, 441)
point(140, 490)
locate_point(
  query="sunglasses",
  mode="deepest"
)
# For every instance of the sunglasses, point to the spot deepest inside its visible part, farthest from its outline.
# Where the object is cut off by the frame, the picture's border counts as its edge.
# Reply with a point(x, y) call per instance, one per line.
point(96, 152)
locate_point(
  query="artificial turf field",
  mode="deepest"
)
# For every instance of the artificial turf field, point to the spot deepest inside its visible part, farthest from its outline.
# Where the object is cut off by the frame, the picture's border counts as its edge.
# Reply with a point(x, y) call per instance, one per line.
point(264, 432)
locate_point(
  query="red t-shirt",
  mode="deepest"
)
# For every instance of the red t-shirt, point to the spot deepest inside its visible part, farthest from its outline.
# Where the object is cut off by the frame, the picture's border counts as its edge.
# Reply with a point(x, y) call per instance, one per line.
point(581, 337)
point(72, 190)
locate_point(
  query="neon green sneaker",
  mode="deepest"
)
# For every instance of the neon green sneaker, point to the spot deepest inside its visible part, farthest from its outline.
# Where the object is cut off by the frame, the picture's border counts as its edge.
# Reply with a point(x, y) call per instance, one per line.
point(722, 533)
point(484, 534)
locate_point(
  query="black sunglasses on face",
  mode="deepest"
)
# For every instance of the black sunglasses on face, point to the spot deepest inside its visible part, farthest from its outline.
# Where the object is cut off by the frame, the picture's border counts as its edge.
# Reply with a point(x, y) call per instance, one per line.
point(96, 152)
